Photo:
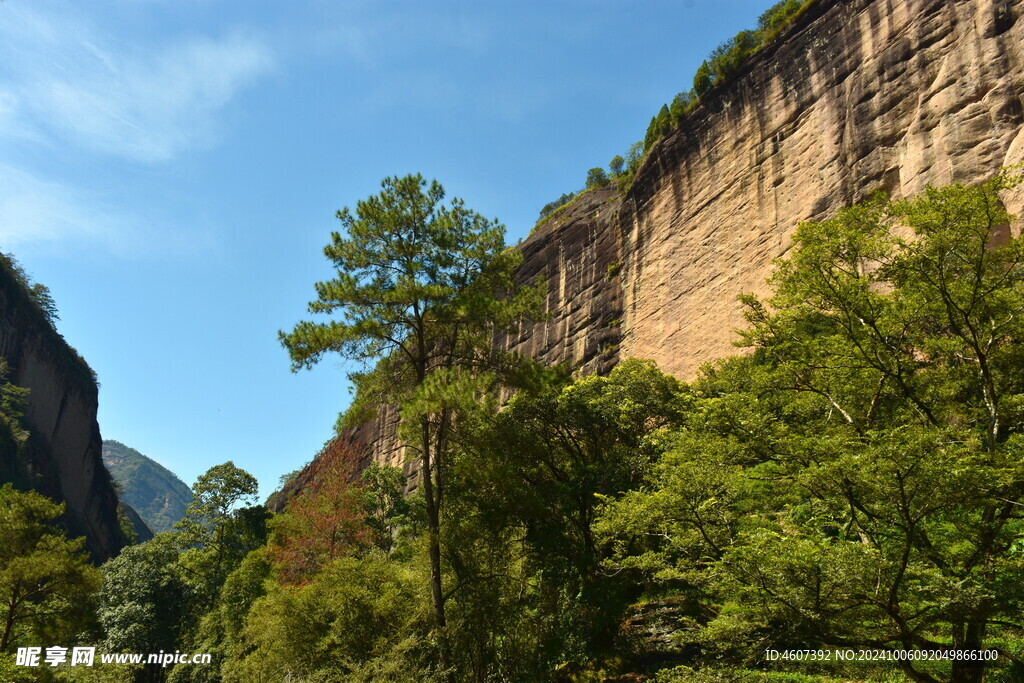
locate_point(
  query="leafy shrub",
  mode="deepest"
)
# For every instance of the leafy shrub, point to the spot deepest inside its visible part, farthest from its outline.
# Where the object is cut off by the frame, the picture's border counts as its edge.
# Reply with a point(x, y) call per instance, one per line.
point(359, 619)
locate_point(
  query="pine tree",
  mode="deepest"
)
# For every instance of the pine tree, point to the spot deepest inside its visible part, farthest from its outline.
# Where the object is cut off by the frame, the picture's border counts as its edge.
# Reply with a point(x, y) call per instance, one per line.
point(652, 134)
point(45, 579)
point(702, 79)
point(664, 120)
point(420, 289)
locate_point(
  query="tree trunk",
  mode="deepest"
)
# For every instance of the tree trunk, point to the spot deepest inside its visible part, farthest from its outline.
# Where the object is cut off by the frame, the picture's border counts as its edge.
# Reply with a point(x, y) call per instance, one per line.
point(966, 671)
point(8, 627)
point(433, 528)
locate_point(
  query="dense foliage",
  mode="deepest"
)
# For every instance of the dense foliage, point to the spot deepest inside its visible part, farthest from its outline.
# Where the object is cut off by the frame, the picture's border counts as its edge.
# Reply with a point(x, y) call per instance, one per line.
point(851, 483)
point(419, 290)
point(857, 481)
point(46, 581)
point(13, 432)
point(854, 481)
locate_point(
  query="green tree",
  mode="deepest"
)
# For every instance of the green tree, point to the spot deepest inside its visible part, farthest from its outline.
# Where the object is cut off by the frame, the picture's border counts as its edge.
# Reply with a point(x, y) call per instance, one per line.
point(419, 290)
point(385, 505)
point(664, 120)
point(360, 619)
point(596, 177)
point(12, 407)
point(221, 524)
point(37, 292)
point(527, 563)
point(681, 104)
point(219, 629)
point(702, 79)
point(858, 479)
point(652, 134)
point(777, 16)
point(616, 165)
point(634, 155)
point(144, 599)
point(45, 579)
point(727, 58)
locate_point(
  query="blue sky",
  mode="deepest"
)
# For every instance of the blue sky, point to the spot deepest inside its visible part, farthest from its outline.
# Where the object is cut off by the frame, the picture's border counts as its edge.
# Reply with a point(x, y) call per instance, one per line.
point(171, 170)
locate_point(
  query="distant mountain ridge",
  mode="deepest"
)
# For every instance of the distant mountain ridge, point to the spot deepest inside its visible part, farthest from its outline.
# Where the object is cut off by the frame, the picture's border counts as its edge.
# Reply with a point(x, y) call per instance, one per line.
point(155, 492)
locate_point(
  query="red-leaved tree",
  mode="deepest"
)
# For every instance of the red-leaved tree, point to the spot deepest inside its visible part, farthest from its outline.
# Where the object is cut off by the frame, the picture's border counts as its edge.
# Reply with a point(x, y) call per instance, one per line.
point(324, 521)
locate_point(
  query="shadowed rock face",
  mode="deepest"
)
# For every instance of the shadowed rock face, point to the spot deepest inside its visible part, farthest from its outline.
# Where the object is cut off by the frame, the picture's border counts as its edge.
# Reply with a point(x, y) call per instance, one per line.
point(577, 253)
point(857, 96)
point(62, 457)
point(139, 527)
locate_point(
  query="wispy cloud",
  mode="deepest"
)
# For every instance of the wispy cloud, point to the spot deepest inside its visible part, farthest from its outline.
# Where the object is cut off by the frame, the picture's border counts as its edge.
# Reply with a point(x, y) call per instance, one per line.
point(72, 94)
point(41, 213)
point(33, 210)
point(61, 79)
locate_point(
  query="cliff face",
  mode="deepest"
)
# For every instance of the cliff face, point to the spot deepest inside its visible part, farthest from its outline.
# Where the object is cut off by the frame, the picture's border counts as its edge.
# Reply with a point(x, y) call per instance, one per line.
point(62, 457)
point(577, 253)
point(857, 96)
point(861, 95)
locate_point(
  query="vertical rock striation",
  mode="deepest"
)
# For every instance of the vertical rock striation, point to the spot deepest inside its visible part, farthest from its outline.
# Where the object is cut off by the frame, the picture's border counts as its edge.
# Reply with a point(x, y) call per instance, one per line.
point(577, 253)
point(858, 96)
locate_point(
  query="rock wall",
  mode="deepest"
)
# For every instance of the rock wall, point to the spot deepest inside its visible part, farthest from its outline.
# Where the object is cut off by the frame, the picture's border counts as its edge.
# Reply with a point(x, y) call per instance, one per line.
point(860, 95)
point(578, 254)
point(62, 457)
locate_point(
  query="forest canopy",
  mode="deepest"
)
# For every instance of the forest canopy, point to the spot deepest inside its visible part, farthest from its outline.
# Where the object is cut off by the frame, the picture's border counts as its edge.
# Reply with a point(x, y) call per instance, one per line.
point(851, 482)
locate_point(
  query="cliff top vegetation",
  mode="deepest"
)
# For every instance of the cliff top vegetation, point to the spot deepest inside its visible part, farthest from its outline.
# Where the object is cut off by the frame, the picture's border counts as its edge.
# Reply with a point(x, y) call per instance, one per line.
point(33, 300)
point(718, 69)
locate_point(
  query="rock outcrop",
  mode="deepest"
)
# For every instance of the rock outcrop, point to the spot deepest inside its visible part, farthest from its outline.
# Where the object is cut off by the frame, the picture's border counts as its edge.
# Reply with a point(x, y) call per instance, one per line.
point(578, 254)
point(856, 96)
point(61, 459)
point(138, 525)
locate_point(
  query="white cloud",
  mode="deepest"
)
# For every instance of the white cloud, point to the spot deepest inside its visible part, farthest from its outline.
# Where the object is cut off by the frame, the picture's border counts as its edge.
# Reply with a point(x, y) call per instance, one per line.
point(60, 217)
point(143, 102)
point(68, 87)
point(34, 210)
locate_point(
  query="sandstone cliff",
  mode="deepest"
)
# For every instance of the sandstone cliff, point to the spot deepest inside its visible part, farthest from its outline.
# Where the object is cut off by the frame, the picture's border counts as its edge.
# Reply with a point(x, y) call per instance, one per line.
point(860, 95)
point(578, 255)
point(856, 96)
point(62, 457)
